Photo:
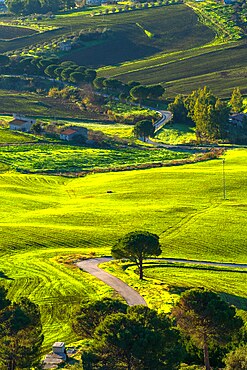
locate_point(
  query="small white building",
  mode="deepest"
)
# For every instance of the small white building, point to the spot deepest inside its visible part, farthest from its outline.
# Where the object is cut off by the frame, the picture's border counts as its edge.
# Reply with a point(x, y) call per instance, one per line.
point(65, 45)
point(57, 357)
point(93, 2)
point(238, 119)
point(21, 123)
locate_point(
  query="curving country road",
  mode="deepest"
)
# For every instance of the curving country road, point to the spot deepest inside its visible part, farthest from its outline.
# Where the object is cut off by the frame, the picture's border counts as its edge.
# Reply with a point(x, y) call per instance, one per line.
point(131, 296)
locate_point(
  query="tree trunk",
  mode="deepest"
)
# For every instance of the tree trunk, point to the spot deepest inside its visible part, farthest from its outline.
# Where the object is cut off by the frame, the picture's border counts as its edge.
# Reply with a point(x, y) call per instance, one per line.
point(141, 268)
point(205, 353)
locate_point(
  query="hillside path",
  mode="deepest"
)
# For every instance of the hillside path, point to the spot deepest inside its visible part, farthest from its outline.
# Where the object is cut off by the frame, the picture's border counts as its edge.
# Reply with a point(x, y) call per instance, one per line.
point(131, 296)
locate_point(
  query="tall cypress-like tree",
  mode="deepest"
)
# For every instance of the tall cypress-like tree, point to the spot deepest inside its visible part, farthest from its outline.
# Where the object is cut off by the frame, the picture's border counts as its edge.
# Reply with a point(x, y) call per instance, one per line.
point(236, 101)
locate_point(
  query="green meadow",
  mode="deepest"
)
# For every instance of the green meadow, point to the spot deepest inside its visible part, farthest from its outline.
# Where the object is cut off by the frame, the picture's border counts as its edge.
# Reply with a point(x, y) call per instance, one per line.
point(164, 282)
point(61, 158)
point(46, 219)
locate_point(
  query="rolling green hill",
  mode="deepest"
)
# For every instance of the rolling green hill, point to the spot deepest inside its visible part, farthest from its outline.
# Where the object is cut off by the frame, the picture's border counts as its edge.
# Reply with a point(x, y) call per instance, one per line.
point(44, 217)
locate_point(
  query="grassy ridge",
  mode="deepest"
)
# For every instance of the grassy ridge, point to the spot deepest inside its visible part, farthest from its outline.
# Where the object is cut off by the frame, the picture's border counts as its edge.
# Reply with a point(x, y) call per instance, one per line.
point(186, 71)
point(44, 217)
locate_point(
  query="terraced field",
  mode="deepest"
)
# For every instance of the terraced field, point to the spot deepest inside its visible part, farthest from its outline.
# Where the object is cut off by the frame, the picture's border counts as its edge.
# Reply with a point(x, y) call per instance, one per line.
point(43, 218)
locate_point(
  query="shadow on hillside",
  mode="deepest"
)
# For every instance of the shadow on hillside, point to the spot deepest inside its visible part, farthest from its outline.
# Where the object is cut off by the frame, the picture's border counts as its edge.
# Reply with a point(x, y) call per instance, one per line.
point(3, 276)
point(194, 267)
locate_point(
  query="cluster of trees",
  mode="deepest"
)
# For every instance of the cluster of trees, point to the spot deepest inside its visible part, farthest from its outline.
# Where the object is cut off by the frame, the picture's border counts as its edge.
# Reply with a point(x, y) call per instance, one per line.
point(20, 333)
point(27, 7)
point(138, 338)
point(209, 114)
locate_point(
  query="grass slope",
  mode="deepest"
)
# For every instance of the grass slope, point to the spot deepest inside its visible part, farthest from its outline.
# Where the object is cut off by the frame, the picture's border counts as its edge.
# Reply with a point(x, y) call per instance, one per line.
point(164, 282)
point(182, 72)
point(37, 105)
point(44, 217)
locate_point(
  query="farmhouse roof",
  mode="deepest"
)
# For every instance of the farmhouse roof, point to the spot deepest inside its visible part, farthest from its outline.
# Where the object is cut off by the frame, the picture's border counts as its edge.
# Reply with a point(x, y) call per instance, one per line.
point(69, 131)
point(58, 344)
point(17, 122)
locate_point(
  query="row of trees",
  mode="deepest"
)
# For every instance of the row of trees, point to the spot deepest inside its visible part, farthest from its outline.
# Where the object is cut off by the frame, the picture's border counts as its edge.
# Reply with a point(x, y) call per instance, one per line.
point(50, 67)
point(138, 338)
point(69, 71)
point(209, 114)
point(133, 89)
point(26, 7)
point(20, 333)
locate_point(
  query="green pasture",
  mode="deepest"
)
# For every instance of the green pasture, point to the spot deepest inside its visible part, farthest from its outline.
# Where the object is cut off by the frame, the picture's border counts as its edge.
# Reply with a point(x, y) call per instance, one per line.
point(10, 137)
point(176, 133)
point(55, 158)
point(114, 130)
point(44, 219)
point(164, 282)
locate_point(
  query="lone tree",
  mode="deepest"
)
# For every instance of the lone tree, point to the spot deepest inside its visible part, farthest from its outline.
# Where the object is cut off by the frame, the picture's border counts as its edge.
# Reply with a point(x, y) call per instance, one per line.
point(206, 319)
point(144, 129)
point(136, 246)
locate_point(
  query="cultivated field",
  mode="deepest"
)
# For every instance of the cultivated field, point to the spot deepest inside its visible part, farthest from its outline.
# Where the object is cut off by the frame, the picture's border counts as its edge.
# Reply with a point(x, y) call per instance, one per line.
point(11, 32)
point(44, 217)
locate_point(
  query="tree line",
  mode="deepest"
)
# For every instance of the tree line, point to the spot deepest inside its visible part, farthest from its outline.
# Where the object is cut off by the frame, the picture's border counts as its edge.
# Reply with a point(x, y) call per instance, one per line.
point(139, 338)
point(207, 112)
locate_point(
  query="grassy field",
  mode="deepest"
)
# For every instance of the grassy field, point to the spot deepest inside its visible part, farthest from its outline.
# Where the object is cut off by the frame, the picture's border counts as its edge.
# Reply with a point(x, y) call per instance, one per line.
point(175, 133)
point(44, 217)
point(10, 137)
point(164, 282)
point(55, 158)
point(111, 129)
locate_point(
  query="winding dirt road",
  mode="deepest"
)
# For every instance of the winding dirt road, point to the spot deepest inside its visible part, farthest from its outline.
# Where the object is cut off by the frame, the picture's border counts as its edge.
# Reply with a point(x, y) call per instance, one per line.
point(131, 296)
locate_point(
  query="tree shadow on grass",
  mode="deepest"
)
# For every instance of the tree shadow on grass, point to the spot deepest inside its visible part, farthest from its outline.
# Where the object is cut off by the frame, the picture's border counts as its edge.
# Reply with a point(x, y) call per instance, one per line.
point(4, 276)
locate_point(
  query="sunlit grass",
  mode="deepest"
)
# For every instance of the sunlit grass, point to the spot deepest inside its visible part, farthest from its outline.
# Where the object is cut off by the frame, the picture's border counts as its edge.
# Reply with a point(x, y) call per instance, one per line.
point(45, 218)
